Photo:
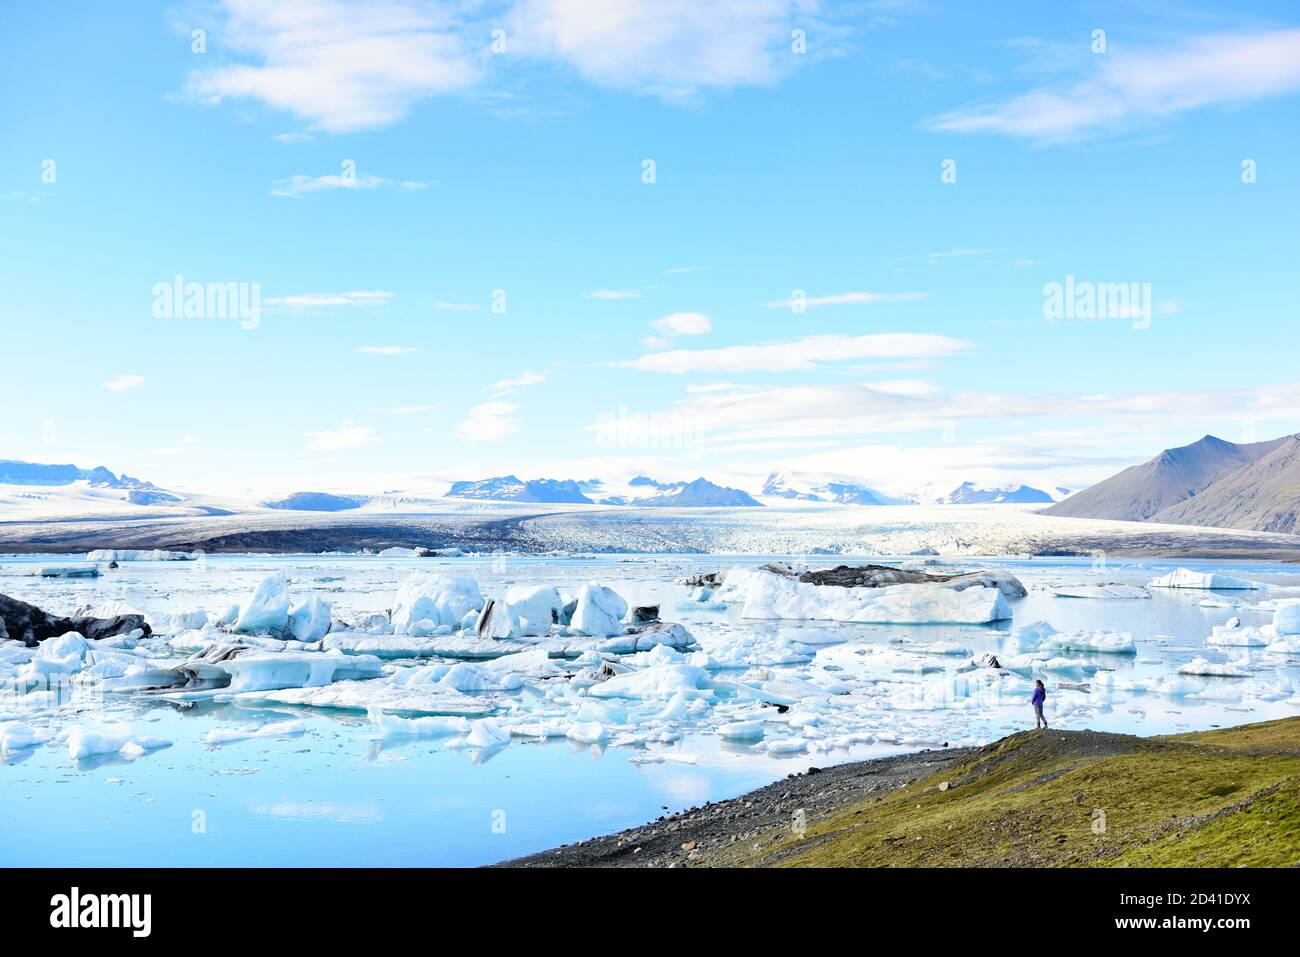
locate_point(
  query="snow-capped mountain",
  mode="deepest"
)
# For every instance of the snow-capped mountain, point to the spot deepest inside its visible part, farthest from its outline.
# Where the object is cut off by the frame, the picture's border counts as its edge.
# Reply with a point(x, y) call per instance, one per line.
point(509, 488)
point(969, 493)
point(700, 493)
point(315, 502)
point(821, 488)
point(14, 472)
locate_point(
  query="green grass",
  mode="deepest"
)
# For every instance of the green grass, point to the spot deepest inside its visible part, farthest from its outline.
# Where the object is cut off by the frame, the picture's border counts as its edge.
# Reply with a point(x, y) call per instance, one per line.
point(1210, 799)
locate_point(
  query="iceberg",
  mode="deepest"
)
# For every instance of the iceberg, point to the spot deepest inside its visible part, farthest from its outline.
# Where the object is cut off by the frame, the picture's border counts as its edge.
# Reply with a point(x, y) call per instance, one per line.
point(537, 608)
point(267, 610)
point(440, 599)
point(1105, 642)
point(1186, 578)
point(87, 742)
point(1286, 618)
point(1200, 666)
point(1101, 591)
point(275, 729)
point(770, 596)
point(309, 620)
point(599, 612)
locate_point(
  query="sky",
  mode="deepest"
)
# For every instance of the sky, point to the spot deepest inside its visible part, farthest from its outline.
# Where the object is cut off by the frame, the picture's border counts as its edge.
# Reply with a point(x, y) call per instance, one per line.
point(579, 239)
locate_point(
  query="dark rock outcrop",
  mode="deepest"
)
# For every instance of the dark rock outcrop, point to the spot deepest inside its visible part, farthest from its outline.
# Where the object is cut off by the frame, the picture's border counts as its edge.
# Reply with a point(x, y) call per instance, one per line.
point(27, 623)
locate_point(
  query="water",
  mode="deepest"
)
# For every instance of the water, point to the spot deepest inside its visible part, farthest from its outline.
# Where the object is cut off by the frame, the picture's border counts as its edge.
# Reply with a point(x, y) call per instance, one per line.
point(339, 795)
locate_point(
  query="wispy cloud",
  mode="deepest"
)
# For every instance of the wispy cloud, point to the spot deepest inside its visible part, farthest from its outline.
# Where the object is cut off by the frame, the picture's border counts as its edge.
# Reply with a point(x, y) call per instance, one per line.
point(324, 300)
point(410, 409)
point(340, 66)
point(1129, 85)
point(509, 385)
point(388, 350)
point(123, 383)
point(301, 185)
point(683, 324)
point(489, 422)
point(613, 294)
point(801, 354)
point(457, 306)
point(847, 299)
point(349, 435)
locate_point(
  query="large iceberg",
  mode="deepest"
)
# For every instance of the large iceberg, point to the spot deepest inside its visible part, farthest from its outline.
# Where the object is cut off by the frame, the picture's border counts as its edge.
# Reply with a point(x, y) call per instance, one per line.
point(770, 596)
point(428, 600)
point(268, 608)
point(599, 612)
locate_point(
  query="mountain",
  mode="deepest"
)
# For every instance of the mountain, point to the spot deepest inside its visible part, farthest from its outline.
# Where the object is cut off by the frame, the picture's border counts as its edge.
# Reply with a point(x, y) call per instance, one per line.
point(700, 493)
point(13, 472)
point(1261, 496)
point(968, 493)
point(314, 502)
point(509, 488)
point(810, 488)
point(1172, 477)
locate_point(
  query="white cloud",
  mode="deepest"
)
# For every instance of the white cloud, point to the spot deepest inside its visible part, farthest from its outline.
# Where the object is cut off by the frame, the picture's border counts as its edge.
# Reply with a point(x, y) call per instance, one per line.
point(613, 294)
point(1132, 84)
point(848, 299)
point(320, 300)
point(682, 324)
point(457, 306)
point(914, 387)
point(349, 435)
point(388, 350)
point(489, 422)
point(801, 354)
point(340, 66)
point(410, 409)
point(669, 48)
point(124, 382)
point(508, 385)
point(300, 185)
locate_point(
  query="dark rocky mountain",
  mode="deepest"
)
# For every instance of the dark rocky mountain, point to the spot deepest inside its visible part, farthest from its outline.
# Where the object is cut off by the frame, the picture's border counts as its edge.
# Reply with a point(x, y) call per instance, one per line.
point(1262, 496)
point(1172, 477)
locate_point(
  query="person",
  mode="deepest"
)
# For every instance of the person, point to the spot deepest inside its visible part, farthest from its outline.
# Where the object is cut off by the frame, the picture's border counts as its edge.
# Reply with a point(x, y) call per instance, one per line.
point(1040, 695)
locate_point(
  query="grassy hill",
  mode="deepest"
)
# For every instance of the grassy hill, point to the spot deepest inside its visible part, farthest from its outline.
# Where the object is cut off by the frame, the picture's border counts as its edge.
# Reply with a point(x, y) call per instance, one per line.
point(1071, 799)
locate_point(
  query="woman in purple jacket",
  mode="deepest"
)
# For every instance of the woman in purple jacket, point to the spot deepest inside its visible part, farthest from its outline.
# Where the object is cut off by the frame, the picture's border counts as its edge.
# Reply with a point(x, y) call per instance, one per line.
point(1040, 695)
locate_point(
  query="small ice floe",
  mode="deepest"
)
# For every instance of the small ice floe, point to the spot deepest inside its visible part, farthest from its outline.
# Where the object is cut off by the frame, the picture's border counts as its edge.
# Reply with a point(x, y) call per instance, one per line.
point(1202, 666)
point(439, 726)
point(16, 736)
point(1103, 642)
point(1101, 591)
point(484, 733)
point(268, 608)
point(1186, 578)
point(744, 731)
point(598, 612)
point(379, 694)
point(1286, 618)
point(274, 729)
point(108, 739)
point(66, 571)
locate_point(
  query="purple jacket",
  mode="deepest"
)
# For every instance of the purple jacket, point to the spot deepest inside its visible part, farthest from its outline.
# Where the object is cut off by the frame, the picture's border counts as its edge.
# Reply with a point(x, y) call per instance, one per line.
point(1040, 695)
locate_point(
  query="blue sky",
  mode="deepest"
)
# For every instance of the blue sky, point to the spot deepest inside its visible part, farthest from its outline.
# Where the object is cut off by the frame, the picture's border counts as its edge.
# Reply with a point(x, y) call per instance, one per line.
point(385, 178)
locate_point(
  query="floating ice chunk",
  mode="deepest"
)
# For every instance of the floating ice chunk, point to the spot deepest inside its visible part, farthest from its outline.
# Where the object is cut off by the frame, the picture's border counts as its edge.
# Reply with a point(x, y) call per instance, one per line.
point(644, 637)
point(586, 732)
point(1286, 618)
point(497, 620)
point(1101, 591)
point(742, 731)
point(1105, 642)
point(1237, 637)
point(428, 727)
point(1186, 578)
point(473, 679)
point(85, 742)
point(1288, 645)
point(364, 695)
point(599, 612)
point(940, 648)
point(274, 729)
point(15, 736)
point(1200, 666)
point(269, 671)
point(440, 599)
point(268, 609)
point(309, 620)
point(536, 608)
point(64, 653)
point(787, 746)
point(813, 636)
point(67, 571)
point(663, 681)
point(139, 555)
point(768, 595)
point(749, 651)
point(486, 733)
